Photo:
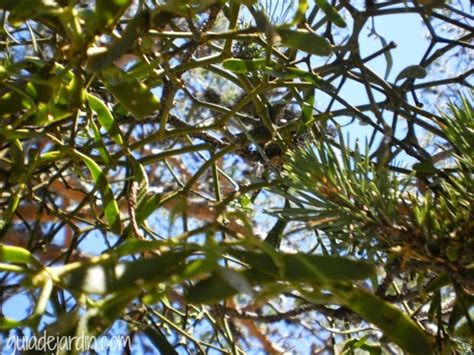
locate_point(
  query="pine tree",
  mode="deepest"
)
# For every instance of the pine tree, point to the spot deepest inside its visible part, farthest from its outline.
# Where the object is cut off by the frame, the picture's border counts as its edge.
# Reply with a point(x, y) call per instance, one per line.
point(236, 176)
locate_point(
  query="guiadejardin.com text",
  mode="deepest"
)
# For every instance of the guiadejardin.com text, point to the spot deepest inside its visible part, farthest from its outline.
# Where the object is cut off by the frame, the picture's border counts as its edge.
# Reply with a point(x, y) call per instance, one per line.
point(50, 343)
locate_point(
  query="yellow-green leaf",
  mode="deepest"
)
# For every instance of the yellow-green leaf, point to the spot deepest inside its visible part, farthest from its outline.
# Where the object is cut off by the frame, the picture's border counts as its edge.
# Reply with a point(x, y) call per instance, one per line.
point(132, 94)
point(9, 323)
point(306, 41)
point(14, 254)
point(243, 66)
point(396, 326)
point(104, 154)
point(105, 117)
point(111, 209)
point(305, 267)
point(109, 11)
point(331, 13)
point(296, 73)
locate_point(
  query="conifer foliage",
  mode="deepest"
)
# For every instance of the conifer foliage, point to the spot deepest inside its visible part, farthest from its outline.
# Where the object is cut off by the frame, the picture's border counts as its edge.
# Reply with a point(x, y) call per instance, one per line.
point(212, 176)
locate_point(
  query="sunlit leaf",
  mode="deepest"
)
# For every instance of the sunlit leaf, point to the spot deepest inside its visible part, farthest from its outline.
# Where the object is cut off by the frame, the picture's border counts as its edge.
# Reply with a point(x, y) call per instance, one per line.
point(9, 323)
point(297, 73)
point(140, 176)
point(109, 11)
point(141, 70)
point(104, 154)
point(133, 95)
point(362, 344)
point(105, 118)
point(300, 12)
point(331, 13)
point(307, 113)
point(306, 41)
point(13, 102)
point(14, 254)
point(111, 209)
point(243, 66)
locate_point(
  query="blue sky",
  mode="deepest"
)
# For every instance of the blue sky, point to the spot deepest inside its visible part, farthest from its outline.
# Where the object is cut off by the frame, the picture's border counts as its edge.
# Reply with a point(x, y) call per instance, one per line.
point(409, 35)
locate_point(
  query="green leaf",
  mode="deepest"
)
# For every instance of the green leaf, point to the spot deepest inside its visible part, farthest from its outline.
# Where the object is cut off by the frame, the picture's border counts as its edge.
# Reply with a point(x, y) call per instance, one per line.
point(141, 177)
point(105, 117)
point(274, 235)
point(14, 254)
point(206, 265)
point(9, 132)
point(133, 95)
point(24, 9)
point(331, 13)
point(14, 101)
point(183, 8)
point(112, 276)
point(111, 209)
point(438, 282)
point(396, 326)
point(109, 310)
point(304, 267)
point(75, 92)
point(297, 73)
point(465, 331)
point(9, 323)
point(412, 71)
point(135, 246)
point(243, 66)
point(461, 309)
point(355, 343)
point(100, 58)
point(13, 203)
point(199, 267)
point(307, 118)
point(147, 206)
point(142, 70)
point(300, 12)
point(109, 11)
point(435, 306)
point(425, 168)
point(306, 41)
point(210, 290)
point(104, 154)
